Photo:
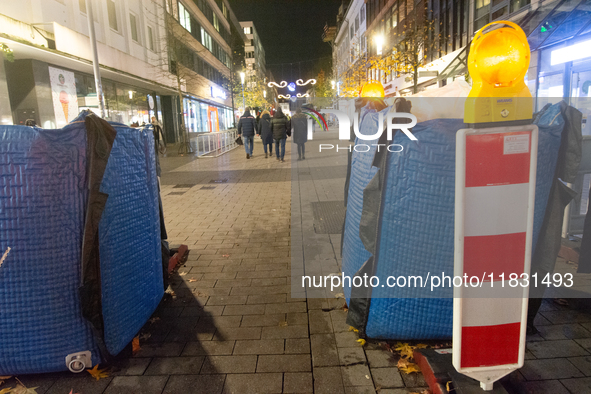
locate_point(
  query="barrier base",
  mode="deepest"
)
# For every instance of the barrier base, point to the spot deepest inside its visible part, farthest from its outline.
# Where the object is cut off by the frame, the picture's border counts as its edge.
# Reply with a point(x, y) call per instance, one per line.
point(438, 372)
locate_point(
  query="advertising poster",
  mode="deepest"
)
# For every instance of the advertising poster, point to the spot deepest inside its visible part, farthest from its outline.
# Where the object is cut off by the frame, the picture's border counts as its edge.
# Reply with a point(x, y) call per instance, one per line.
point(63, 91)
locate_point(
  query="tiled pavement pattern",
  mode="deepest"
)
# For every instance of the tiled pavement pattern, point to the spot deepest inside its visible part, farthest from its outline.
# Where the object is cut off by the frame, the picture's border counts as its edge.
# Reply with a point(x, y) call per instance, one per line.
point(234, 325)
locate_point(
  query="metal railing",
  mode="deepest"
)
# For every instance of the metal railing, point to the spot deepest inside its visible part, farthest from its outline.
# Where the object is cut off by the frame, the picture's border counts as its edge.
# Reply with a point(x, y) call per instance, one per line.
point(214, 144)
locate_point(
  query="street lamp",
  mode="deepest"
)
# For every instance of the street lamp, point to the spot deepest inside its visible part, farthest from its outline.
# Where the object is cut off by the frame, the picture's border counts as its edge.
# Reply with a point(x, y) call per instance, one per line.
point(379, 40)
point(243, 100)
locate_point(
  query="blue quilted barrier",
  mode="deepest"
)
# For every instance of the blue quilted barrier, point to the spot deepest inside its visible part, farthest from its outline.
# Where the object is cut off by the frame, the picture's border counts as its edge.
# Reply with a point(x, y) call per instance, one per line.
point(416, 225)
point(43, 195)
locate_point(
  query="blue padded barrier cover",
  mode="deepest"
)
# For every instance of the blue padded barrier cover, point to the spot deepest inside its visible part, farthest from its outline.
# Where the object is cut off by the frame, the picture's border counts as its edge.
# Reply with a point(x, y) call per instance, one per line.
point(129, 231)
point(417, 224)
point(354, 253)
point(42, 207)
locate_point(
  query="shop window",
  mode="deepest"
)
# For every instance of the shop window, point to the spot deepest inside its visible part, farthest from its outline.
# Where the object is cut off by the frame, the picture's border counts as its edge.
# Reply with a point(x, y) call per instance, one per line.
point(133, 27)
point(572, 24)
point(112, 14)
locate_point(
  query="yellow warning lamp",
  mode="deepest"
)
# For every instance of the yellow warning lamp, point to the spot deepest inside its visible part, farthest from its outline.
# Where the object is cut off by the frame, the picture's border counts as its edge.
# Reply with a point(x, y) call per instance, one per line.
point(372, 89)
point(498, 62)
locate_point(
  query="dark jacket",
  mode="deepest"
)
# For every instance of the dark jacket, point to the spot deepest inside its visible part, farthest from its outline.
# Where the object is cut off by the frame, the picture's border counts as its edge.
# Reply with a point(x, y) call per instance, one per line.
point(279, 125)
point(265, 129)
point(299, 125)
point(247, 125)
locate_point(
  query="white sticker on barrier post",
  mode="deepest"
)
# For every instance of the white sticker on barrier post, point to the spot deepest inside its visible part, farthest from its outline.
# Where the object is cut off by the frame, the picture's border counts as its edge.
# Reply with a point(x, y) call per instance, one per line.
point(494, 207)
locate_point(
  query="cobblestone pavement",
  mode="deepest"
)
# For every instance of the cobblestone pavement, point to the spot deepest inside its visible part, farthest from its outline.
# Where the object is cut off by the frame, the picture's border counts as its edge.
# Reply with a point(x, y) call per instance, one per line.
point(234, 325)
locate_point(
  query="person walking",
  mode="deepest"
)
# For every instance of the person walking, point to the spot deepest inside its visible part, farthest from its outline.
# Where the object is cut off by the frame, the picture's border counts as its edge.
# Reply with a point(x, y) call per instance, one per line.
point(279, 126)
point(266, 133)
point(299, 125)
point(246, 128)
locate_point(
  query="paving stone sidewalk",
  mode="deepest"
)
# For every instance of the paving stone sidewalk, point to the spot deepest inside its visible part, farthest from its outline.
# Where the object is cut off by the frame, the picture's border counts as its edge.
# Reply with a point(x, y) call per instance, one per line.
point(233, 324)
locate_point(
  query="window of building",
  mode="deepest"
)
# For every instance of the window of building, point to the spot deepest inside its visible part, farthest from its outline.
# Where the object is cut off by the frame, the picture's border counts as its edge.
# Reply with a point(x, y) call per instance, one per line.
point(206, 40)
point(395, 15)
point(362, 14)
point(184, 17)
point(82, 5)
point(351, 32)
point(225, 10)
point(482, 7)
point(133, 27)
point(409, 6)
point(216, 22)
point(150, 38)
point(248, 30)
point(517, 4)
point(356, 24)
point(498, 13)
point(112, 14)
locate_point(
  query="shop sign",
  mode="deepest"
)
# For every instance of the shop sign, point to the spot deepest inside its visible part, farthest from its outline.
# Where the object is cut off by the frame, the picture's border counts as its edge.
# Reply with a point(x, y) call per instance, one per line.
point(63, 92)
point(218, 93)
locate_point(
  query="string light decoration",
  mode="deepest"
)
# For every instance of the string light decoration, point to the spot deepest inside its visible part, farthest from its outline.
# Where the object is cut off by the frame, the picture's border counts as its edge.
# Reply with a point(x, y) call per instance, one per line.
point(288, 96)
point(300, 82)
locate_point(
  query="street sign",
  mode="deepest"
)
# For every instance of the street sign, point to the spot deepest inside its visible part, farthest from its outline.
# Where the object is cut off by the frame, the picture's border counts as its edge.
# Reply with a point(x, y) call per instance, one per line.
point(494, 207)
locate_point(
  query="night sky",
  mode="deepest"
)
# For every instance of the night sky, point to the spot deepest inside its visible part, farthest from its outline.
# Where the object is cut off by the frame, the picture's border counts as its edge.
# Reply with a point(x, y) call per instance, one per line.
point(291, 32)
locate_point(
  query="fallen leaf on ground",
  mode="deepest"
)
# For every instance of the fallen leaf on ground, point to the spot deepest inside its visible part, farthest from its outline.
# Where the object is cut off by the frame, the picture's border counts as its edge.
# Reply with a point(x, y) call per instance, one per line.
point(339, 295)
point(192, 280)
point(135, 345)
point(4, 378)
point(351, 328)
point(183, 273)
point(98, 373)
point(225, 255)
point(405, 350)
point(72, 392)
point(6, 390)
point(407, 367)
point(283, 324)
point(21, 389)
point(361, 341)
point(421, 346)
point(448, 387)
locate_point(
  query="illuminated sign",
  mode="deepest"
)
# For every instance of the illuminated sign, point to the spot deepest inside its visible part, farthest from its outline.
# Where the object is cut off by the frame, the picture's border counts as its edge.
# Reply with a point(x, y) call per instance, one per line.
point(218, 93)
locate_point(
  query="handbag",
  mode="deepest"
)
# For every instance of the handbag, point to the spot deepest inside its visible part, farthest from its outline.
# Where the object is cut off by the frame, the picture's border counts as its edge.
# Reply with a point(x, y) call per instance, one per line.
point(239, 141)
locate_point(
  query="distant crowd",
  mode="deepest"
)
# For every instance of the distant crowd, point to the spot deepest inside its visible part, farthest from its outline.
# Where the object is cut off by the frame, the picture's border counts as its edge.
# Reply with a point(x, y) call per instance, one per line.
point(273, 128)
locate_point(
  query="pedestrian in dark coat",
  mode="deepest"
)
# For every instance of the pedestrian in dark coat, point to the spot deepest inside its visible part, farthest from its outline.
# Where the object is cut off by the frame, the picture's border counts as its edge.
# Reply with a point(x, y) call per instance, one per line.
point(279, 126)
point(299, 125)
point(247, 127)
point(265, 132)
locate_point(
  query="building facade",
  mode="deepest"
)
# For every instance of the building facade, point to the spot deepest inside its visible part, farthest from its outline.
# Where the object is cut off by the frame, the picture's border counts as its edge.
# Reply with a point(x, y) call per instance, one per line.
point(51, 78)
point(254, 54)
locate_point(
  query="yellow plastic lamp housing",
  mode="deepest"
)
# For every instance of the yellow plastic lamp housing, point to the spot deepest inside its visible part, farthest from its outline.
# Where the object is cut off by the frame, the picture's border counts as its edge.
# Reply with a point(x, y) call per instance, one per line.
point(372, 89)
point(498, 62)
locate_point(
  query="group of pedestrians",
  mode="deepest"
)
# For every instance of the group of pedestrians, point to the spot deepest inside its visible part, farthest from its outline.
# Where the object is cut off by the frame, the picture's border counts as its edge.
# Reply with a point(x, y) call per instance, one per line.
point(273, 129)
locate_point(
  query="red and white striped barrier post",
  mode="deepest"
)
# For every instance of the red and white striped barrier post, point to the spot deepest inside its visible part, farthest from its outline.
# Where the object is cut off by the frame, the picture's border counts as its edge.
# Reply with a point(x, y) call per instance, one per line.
point(494, 207)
